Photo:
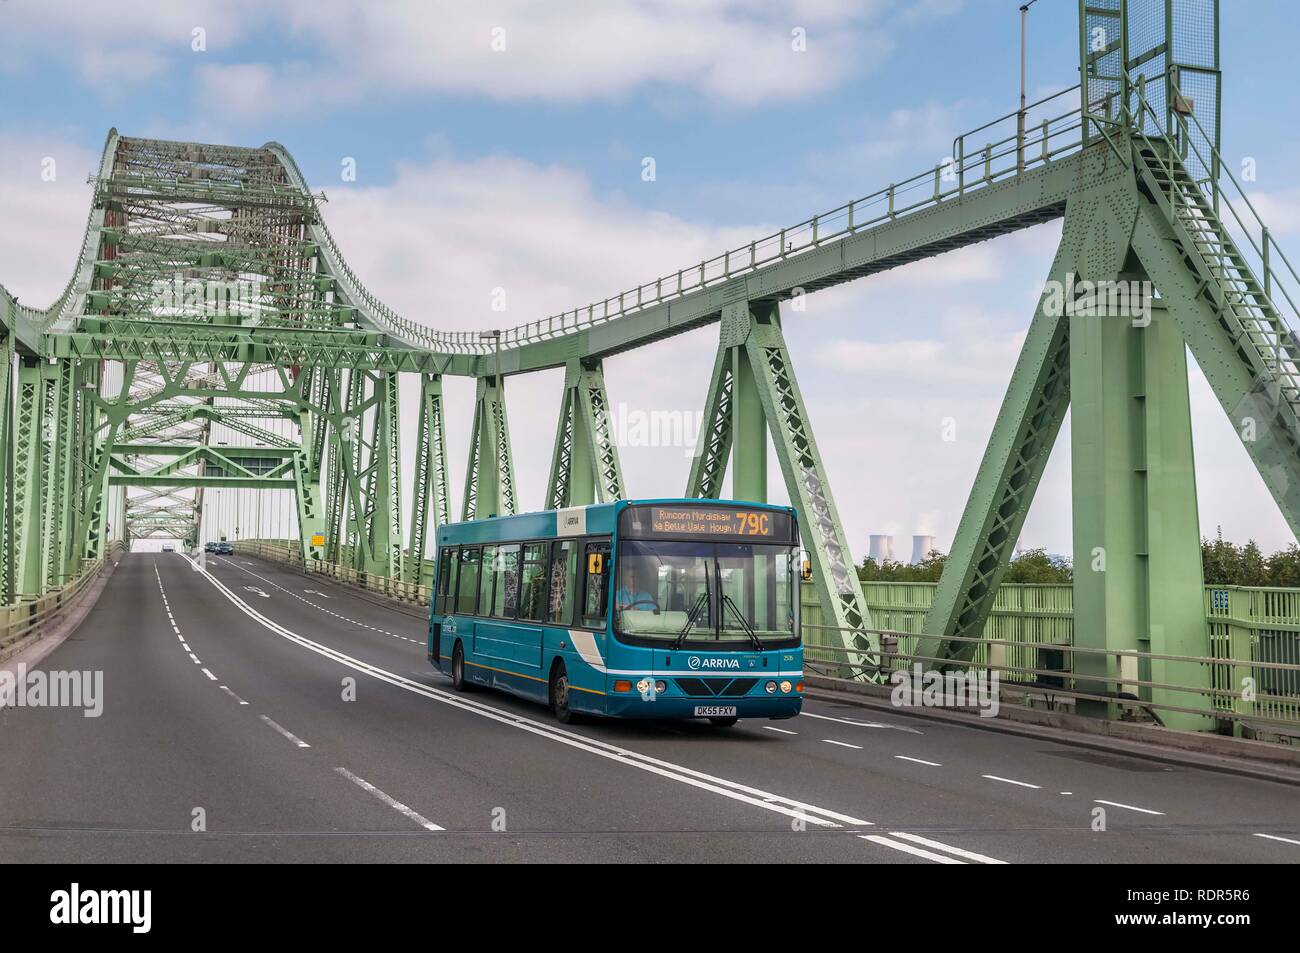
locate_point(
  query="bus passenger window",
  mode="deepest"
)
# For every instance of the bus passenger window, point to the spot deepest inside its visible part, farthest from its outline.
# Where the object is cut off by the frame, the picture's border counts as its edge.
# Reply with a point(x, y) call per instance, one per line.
point(507, 588)
point(595, 560)
point(532, 584)
point(446, 569)
point(491, 569)
point(467, 588)
point(564, 578)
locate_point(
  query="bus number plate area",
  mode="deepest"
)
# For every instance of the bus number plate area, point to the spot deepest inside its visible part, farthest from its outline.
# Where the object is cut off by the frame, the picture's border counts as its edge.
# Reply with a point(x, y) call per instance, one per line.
point(715, 711)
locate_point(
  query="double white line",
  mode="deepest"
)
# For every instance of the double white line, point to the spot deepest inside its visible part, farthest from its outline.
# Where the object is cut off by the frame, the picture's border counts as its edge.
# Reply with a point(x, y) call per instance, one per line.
point(795, 809)
point(950, 855)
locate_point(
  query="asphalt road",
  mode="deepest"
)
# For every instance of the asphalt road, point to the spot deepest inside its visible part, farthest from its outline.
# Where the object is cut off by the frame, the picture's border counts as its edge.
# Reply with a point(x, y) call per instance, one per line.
point(292, 720)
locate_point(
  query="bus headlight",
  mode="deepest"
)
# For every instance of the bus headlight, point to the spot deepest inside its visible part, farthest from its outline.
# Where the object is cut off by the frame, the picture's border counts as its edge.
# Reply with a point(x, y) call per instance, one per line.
point(785, 688)
point(661, 687)
point(771, 688)
point(645, 686)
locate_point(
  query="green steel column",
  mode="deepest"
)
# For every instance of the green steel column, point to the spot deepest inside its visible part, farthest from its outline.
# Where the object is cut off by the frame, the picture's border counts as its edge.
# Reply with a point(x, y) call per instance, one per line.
point(834, 573)
point(709, 465)
point(490, 475)
point(306, 484)
point(7, 538)
point(749, 431)
point(585, 465)
point(429, 502)
point(28, 478)
point(1137, 552)
point(385, 502)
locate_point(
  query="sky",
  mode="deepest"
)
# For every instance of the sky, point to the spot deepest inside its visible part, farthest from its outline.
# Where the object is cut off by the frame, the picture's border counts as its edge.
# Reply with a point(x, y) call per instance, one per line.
point(501, 147)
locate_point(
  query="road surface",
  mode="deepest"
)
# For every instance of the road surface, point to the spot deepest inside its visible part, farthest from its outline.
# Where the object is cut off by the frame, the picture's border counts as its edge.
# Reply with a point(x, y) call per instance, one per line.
point(289, 719)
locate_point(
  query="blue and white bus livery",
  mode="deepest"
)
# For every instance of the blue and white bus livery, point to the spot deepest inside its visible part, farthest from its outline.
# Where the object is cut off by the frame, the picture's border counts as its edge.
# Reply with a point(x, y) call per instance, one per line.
point(634, 609)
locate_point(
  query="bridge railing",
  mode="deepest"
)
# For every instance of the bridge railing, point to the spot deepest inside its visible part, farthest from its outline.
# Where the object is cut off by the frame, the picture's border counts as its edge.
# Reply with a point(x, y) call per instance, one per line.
point(290, 553)
point(980, 158)
point(25, 617)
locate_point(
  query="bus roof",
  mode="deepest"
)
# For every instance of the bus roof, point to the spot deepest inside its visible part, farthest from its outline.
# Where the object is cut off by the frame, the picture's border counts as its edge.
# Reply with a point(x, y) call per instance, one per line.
point(595, 519)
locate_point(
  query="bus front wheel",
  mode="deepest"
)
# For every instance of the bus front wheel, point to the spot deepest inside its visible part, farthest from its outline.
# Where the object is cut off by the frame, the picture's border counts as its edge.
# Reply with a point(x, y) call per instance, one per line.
point(560, 694)
point(724, 722)
point(458, 681)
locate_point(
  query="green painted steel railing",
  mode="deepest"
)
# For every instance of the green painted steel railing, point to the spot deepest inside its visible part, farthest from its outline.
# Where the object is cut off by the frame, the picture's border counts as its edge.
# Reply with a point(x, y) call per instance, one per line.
point(22, 619)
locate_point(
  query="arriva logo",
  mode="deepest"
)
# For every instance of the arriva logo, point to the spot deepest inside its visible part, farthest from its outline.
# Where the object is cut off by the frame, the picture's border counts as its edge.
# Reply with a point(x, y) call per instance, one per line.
point(695, 662)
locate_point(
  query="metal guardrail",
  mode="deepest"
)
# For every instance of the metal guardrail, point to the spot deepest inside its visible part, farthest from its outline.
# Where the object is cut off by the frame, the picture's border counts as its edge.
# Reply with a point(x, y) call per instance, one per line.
point(964, 171)
point(1115, 680)
point(21, 619)
point(290, 553)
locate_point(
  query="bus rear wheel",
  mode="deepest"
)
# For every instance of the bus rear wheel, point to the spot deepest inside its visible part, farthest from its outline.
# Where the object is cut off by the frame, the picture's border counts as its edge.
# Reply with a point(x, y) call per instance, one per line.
point(458, 681)
point(724, 722)
point(559, 693)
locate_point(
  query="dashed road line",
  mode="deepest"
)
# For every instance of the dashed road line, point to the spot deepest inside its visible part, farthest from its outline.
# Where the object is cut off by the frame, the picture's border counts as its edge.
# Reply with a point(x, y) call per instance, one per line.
point(1023, 784)
point(1285, 840)
point(337, 615)
point(859, 724)
point(209, 675)
point(724, 787)
point(784, 731)
point(233, 695)
point(284, 731)
point(1129, 807)
point(396, 805)
point(933, 764)
point(842, 744)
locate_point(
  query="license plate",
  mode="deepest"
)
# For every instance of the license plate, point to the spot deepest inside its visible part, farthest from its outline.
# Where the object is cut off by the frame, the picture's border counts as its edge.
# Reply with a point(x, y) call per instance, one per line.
point(715, 711)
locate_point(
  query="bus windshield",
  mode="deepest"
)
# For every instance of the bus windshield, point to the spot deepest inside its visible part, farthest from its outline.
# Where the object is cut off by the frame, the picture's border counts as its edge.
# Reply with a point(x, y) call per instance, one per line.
point(730, 594)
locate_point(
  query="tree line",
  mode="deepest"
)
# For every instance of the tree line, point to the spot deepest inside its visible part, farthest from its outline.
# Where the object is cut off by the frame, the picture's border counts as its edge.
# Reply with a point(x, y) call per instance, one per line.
point(1224, 564)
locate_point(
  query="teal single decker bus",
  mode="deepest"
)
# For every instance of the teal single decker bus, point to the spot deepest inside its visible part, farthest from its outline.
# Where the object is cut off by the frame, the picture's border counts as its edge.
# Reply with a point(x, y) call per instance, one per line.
point(631, 609)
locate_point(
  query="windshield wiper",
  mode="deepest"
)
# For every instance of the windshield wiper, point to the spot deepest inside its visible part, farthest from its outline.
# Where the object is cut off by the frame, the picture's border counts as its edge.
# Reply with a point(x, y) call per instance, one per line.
point(753, 636)
point(700, 603)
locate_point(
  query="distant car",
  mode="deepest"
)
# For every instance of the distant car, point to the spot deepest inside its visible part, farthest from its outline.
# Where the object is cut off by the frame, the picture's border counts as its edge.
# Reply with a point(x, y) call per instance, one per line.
point(225, 549)
point(209, 547)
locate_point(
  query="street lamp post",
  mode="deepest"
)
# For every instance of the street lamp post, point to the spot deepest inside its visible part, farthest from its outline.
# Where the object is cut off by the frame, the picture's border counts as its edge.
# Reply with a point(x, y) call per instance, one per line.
point(1024, 54)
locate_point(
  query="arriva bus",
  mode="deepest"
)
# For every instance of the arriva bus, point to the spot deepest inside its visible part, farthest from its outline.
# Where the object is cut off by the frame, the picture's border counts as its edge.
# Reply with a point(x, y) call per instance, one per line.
point(631, 609)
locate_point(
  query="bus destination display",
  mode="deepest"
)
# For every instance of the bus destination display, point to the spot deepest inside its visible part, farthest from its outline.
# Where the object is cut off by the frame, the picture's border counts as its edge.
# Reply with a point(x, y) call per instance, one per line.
point(713, 522)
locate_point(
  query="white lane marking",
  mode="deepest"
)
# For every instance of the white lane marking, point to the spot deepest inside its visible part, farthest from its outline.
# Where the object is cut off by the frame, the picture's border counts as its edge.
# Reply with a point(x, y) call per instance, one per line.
point(1129, 807)
point(316, 592)
point(784, 731)
point(258, 591)
point(209, 675)
point(909, 849)
point(233, 695)
point(861, 724)
point(195, 658)
point(790, 807)
point(396, 805)
point(939, 845)
point(1285, 840)
point(933, 764)
point(842, 744)
point(288, 734)
point(1023, 784)
point(343, 618)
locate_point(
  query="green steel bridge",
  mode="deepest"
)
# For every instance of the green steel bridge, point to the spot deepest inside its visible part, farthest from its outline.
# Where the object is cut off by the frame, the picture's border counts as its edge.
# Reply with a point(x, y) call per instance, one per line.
point(208, 290)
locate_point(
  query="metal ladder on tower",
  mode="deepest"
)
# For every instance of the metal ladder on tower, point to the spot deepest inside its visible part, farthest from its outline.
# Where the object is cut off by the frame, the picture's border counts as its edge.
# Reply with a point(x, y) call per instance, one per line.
point(1260, 334)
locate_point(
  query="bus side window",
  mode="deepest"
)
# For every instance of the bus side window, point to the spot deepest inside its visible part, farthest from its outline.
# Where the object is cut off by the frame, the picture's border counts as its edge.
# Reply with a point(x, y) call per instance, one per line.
point(564, 579)
point(532, 602)
point(467, 583)
point(491, 569)
point(506, 599)
point(595, 565)
point(446, 569)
